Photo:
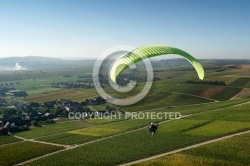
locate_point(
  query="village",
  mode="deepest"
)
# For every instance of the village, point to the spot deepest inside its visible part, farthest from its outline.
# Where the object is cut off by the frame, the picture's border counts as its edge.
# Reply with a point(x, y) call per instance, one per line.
point(16, 116)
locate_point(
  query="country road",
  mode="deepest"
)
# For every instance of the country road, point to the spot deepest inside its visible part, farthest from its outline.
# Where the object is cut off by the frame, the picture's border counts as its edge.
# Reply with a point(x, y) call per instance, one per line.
point(48, 143)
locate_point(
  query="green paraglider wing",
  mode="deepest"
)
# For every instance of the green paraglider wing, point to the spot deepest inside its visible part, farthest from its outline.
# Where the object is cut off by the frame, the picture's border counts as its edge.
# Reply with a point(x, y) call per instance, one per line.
point(144, 52)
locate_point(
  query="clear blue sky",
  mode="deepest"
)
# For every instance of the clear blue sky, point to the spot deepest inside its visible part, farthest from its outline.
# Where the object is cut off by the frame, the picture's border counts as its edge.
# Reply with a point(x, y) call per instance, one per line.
point(83, 29)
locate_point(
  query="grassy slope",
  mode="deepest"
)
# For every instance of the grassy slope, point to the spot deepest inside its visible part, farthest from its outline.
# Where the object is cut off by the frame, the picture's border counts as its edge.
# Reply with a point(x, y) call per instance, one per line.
point(197, 89)
point(162, 99)
point(241, 82)
point(227, 93)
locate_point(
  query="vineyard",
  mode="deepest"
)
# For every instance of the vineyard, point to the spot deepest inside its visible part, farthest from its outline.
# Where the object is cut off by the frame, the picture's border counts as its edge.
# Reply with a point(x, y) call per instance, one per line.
point(8, 139)
point(224, 152)
point(164, 99)
point(18, 152)
point(211, 112)
point(84, 135)
point(170, 136)
point(241, 82)
point(51, 129)
point(76, 95)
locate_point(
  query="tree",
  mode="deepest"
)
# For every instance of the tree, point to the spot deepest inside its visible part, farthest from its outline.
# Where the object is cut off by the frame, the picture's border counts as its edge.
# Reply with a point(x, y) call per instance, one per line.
point(34, 123)
point(50, 121)
point(57, 111)
point(28, 111)
point(8, 113)
point(109, 108)
point(65, 113)
point(19, 112)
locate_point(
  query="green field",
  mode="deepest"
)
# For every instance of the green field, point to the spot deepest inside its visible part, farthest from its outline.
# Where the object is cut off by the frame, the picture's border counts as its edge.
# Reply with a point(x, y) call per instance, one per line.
point(241, 82)
point(36, 79)
point(227, 93)
point(191, 109)
point(227, 80)
point(170, 136)
point(8, 139)
point(103, 120)
point(72, 94)
point(99, 107)
point(86, 134)
point(164, 99)
point(52, 129)
point(232, 151)
point(95, 132)
point(23, 151)
point(211, 113)
point(66, 138)
point(164, 86)
point(37, 84)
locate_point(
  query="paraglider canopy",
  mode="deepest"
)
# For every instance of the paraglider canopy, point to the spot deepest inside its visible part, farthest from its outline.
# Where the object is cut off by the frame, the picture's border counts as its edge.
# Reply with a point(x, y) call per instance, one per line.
point(149, 51)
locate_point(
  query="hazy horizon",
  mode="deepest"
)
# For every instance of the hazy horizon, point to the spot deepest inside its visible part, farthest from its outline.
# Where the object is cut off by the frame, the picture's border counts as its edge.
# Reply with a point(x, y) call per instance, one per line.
point(95, 58)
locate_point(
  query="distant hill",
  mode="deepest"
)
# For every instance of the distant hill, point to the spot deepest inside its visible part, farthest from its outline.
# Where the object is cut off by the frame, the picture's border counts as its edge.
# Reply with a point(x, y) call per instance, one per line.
point(181, 62)
point(48, 63)
point(44, 63)
point(225, 61)
point(27, 59)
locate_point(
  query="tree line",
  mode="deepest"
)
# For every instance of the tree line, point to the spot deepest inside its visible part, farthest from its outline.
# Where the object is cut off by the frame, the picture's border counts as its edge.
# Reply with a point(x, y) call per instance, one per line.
point(221, 83)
